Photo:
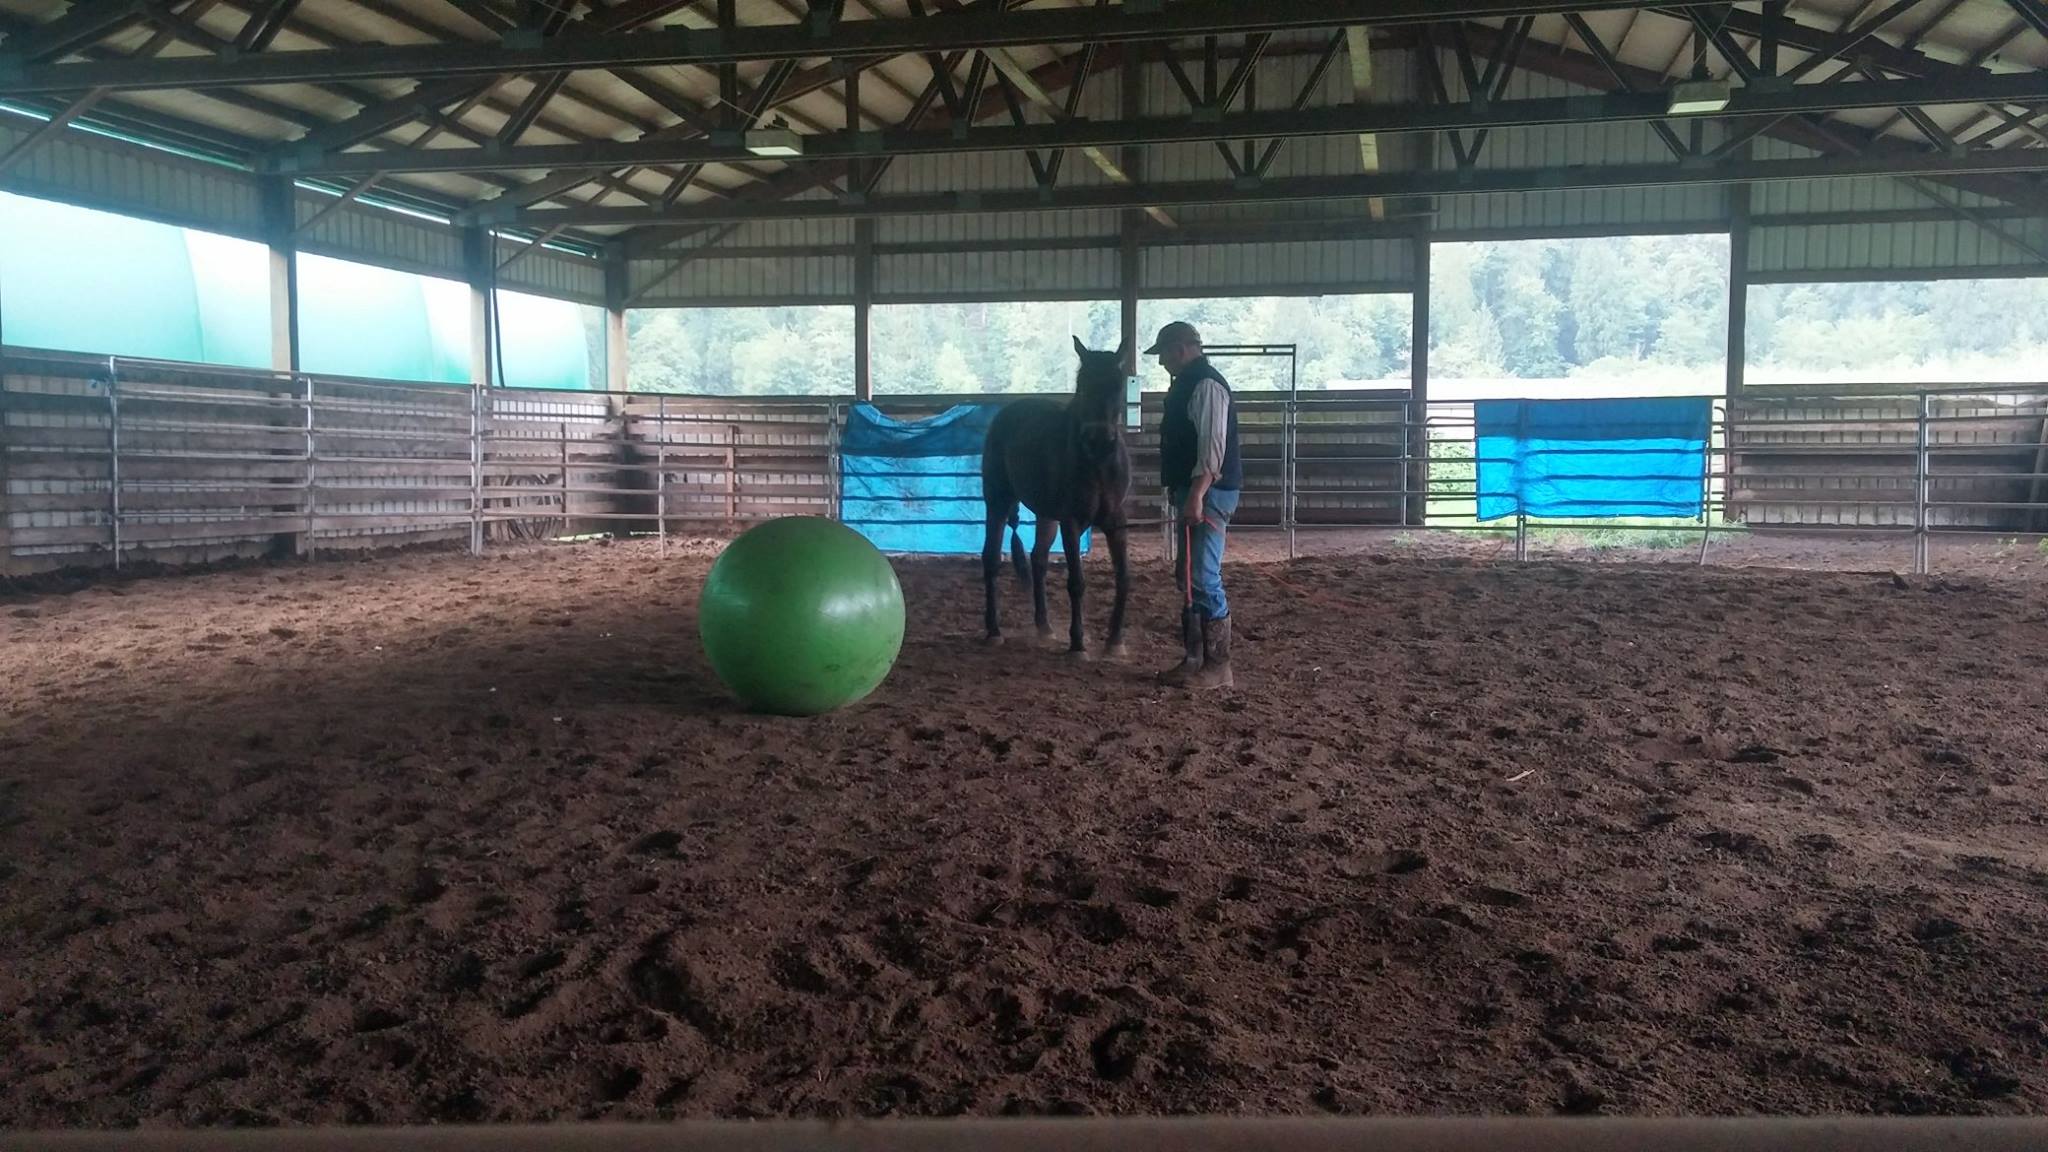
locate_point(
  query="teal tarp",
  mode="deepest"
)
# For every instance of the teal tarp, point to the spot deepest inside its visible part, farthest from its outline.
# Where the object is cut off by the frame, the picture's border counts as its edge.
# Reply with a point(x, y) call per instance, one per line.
point(915, 485)
point(1592, 459)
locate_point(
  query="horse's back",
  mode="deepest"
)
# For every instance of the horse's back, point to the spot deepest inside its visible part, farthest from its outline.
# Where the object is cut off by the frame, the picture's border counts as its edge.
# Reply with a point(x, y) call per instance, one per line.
point(1025, 418)
point(1021, 430)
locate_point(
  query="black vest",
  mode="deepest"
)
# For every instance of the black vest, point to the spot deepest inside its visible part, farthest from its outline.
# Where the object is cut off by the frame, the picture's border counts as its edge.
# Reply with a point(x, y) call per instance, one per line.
point(1178, 447)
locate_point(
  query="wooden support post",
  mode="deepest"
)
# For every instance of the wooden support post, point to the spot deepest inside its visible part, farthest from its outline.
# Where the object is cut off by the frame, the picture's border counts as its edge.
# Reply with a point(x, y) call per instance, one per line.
point(732, 475)
point(278, 202)
point(1923, 484)
point(2037, 484)
point(1415, 477)
point(479, 258)
point(835, 495)
point(562, 429)
point(1737, 351)
point(1130, 269)
point(6, 533)
point(661, 472)
point(618, 382)
point(280, 225)
point(114, 460)
point(481, 270)
point(476, 469)
point(1738, 289)
point(616, 365)
point(1130, 262)
point(308, 547)
point(863, 307)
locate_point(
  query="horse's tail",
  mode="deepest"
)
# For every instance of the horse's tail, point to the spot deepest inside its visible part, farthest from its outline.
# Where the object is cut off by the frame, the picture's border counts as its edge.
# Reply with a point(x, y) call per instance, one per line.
point(1017, 557)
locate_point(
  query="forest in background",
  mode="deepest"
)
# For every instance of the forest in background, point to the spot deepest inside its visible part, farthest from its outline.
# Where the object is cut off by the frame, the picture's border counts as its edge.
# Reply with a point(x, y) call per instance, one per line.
point(1626, 310)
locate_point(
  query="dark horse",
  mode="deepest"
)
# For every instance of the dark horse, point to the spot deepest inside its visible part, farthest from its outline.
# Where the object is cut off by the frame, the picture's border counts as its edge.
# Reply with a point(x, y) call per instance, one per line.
point(1067, 463)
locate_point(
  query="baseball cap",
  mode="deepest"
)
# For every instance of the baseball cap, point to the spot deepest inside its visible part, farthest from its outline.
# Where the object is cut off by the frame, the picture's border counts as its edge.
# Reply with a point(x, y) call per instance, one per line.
point(1178, 332)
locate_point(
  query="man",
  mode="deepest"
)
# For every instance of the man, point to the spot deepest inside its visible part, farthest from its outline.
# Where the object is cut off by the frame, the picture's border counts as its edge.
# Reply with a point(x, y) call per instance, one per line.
point(1201, 470)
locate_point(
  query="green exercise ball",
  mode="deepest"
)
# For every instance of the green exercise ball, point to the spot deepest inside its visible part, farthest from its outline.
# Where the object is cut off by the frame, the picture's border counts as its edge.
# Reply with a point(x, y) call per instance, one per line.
point(801, 616)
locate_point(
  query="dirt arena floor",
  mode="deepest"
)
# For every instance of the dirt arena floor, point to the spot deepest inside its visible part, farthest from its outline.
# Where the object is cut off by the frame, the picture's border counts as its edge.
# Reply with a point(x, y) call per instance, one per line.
point(432, 839)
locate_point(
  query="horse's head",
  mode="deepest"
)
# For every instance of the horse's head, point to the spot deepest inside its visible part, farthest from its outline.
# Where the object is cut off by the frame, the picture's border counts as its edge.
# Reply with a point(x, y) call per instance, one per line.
point(1099, 397)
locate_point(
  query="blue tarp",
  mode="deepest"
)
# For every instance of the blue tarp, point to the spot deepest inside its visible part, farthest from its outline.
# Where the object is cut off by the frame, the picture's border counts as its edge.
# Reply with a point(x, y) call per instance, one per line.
point(915, 485)
point(1592, 459)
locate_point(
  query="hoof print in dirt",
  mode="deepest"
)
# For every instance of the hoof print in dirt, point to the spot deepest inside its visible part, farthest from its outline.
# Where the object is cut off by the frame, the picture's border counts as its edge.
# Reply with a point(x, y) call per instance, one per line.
point(665, 985)
point(542, 963)
point(1103, 924)
point(1936, 930)
point(1581, 1099)
point(427, 887)
point(1452, 914)
point(663, 843)
point(613, 1084)
point(793, 969)
point(1498, 897)
point(1403, 861)
point(1117, 1049)
point(378, 1019)
point(1734, 843)
point(1156, 896)
point(1982, 1074)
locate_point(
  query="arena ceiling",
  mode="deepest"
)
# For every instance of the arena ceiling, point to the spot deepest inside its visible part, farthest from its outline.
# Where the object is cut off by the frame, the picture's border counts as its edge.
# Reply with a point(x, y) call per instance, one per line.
point(588, 121)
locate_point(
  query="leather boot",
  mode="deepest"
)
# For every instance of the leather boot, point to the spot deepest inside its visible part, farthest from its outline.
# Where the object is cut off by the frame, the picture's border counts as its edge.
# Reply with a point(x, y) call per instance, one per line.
point(1191, 642)
point(1215, 671)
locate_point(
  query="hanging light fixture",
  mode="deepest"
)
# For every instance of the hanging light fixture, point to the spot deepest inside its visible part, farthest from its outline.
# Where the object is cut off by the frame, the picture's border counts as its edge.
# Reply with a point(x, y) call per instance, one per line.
point(1700, 97)
point(778, 141)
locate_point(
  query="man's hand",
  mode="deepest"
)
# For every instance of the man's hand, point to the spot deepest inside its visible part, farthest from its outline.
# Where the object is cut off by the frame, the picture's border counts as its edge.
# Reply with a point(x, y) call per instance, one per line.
point(1191, 508)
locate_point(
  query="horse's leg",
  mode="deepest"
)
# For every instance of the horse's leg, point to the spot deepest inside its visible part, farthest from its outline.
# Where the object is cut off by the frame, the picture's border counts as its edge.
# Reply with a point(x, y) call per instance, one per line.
point(1077, 638)
point(1120, 557)
point(1041, 563)
point(998, 515)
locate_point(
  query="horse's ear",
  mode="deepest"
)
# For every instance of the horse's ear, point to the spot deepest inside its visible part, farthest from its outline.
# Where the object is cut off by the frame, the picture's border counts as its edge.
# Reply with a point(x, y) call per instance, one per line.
point(1122, 348)
point(1080, 349)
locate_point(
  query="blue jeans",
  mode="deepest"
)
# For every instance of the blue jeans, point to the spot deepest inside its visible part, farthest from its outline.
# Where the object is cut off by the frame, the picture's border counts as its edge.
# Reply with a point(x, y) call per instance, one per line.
point(1217, 508)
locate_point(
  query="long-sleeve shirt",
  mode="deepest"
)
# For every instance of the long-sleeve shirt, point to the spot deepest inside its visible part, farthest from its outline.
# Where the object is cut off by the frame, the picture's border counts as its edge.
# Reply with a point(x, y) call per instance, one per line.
point(1209, 408)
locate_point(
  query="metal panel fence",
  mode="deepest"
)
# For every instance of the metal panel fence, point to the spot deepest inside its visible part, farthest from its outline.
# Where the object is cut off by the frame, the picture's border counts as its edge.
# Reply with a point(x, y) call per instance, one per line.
point(107, 461)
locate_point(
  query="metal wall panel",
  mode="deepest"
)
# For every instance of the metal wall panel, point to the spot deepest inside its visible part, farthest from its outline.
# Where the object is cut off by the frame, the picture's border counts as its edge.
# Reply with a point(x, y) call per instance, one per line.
point(1589, 211)
point(1576, 144)
point(552, 273)
point(979, 172)
point(743, 280)
point(1850, 194)
point(1583, 210)
point(374, 236)
point(1254, 269)
point(1086, 274)
point(698, 272)
point(987, 227)
point(787, 233)
point(96, 172)
point(1955, 247)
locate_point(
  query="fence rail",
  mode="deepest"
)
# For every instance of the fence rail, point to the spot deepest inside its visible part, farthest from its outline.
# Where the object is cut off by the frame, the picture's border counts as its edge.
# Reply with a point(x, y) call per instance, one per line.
point(106, 460)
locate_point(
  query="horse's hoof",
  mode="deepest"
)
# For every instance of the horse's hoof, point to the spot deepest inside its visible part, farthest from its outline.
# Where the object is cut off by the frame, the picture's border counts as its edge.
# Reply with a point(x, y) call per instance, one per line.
point(995, 641)
point(1080, 654)
point(1119, 651)
point(1045, 634)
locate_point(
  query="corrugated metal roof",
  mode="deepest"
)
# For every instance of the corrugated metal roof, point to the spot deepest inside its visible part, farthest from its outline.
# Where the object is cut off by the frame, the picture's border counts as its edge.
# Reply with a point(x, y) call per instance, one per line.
point(595, 104)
